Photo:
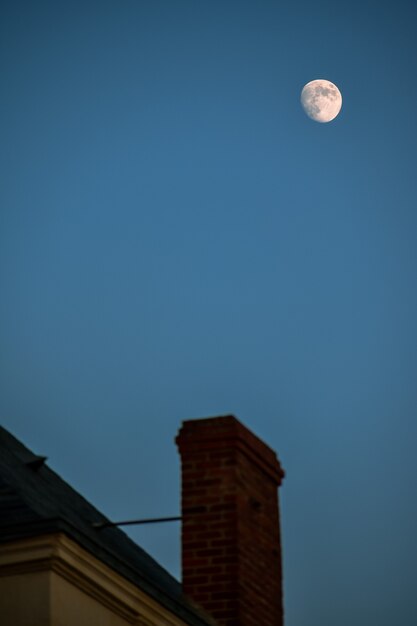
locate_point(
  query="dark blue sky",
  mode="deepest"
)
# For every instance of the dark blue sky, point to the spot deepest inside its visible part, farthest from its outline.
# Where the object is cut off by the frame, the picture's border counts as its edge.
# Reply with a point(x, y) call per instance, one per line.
point(178, 239)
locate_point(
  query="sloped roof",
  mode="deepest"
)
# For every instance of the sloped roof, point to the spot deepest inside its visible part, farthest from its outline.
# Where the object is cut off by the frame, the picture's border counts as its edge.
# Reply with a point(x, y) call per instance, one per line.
point(34, 500)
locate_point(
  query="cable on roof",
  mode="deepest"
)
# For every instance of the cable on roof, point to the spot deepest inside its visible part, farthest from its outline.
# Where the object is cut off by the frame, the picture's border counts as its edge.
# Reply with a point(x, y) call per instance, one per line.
point(152, 520)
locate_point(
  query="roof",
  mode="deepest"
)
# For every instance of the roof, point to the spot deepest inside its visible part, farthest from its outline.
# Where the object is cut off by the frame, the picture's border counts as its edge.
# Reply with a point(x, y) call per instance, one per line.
point(34, 501)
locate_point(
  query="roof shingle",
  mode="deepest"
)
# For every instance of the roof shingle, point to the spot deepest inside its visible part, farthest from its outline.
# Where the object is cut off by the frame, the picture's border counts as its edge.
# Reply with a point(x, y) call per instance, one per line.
point(34, 500)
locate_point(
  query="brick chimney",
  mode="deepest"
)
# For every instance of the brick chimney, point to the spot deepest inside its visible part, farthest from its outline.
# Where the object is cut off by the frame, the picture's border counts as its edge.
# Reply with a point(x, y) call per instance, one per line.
point(231, 550)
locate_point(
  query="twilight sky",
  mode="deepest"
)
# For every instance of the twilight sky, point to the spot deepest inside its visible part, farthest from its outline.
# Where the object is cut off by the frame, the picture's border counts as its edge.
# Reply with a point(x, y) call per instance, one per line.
point(178, 240)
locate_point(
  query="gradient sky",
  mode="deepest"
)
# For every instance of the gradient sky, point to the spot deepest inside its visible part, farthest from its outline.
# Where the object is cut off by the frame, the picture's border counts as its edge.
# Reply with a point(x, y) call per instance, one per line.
point(179, 240)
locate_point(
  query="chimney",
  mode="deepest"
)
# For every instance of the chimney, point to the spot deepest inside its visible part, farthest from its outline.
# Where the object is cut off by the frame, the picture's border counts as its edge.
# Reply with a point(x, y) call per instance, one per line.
point(231, 549)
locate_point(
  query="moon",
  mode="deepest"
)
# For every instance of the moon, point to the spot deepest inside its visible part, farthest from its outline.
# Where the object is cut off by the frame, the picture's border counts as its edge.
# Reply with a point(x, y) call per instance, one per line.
point(321, 100)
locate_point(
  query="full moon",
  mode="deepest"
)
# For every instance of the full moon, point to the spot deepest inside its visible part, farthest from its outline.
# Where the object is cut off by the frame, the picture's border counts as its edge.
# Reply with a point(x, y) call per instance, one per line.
point(321, 100)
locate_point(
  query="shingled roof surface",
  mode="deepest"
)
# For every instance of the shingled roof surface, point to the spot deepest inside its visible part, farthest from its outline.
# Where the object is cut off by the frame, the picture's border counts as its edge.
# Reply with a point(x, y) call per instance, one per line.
point(34, 500)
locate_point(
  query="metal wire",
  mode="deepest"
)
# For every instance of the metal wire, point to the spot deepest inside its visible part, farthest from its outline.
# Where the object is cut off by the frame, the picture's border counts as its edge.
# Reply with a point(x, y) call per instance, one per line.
point(152, 520)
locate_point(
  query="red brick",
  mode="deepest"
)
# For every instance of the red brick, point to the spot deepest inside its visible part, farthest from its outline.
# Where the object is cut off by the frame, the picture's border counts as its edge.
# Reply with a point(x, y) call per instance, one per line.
point(230, 530)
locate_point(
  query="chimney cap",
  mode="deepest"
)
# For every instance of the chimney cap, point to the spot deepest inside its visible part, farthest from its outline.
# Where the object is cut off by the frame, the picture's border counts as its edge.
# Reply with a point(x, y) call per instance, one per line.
point(226, 432)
